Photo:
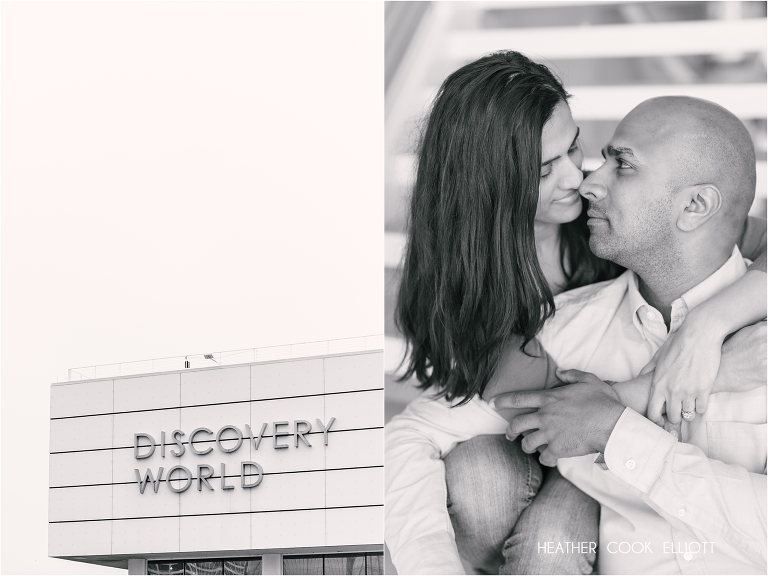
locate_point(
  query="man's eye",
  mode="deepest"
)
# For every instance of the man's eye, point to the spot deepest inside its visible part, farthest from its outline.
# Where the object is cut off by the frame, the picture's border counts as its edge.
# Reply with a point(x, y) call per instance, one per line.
point(623, 164)
point(574, 148)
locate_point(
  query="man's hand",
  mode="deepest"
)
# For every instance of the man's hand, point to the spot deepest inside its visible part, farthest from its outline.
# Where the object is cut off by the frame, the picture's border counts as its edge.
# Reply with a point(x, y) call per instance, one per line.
point(570, 421)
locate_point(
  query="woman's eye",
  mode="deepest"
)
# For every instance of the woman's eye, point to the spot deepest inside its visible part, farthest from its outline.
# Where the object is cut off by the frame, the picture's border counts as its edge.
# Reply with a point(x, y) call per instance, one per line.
point(574, 148)
point(545, 175)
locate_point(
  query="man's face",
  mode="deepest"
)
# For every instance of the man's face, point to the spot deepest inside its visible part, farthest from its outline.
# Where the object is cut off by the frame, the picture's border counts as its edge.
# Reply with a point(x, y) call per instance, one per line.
point(630, 200)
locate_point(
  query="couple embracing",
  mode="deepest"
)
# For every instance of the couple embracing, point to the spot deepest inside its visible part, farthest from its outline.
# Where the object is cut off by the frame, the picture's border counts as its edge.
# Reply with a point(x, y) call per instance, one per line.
point(592, 349)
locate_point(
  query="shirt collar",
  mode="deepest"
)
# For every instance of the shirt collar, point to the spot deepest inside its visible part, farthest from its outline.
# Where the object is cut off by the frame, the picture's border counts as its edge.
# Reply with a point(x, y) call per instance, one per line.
point(636, 301)
point(733, 269)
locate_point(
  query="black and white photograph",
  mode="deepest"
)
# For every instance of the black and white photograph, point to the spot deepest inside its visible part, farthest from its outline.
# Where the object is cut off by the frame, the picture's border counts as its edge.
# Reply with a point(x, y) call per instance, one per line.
point(575, 288)
point(383, 287)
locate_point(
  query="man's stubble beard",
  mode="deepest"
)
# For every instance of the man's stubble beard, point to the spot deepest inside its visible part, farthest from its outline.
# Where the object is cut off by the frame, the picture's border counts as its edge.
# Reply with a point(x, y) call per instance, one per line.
point(644, 244)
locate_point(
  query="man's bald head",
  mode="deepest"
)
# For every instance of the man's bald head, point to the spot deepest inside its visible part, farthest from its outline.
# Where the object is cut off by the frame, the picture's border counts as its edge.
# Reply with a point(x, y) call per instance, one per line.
point(673, 194)
point(706, 144)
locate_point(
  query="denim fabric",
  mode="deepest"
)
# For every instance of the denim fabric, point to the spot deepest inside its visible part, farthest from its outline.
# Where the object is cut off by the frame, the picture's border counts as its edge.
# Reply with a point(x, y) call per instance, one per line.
point(501, 512)
point(543, 539)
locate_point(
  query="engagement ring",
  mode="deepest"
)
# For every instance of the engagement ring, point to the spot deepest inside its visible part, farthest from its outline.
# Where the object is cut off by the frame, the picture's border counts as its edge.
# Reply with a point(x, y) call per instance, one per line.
point(688, 415)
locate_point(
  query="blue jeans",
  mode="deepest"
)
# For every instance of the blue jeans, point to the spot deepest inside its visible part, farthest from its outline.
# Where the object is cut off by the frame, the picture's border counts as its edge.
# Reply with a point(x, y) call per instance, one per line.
point(506, 511)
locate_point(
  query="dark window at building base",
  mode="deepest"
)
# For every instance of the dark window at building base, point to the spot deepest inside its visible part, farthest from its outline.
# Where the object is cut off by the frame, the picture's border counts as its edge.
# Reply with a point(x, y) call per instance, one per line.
point(234, 566)
point(370, 563)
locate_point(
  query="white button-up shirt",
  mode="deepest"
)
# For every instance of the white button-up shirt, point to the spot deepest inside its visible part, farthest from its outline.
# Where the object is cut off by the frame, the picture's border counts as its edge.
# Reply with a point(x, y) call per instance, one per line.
point(698, 506)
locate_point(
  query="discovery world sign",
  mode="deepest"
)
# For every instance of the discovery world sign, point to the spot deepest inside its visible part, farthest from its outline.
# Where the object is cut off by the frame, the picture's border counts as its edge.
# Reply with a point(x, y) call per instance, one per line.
point(228, 439)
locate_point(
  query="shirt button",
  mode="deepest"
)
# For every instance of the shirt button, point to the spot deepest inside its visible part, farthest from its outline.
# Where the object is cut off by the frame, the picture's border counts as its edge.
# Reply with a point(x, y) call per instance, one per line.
point(673, 432)
point(630, 464)
point(650, 315)
point(681, 512)
point(688, 555)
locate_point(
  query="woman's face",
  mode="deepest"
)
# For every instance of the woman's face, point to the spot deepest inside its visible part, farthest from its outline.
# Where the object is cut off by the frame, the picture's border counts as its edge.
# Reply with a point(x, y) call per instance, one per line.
point(561, 158)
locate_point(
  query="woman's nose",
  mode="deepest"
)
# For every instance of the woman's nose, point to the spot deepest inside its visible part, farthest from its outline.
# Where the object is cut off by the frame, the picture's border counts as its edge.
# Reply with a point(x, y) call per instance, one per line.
point(573, 178)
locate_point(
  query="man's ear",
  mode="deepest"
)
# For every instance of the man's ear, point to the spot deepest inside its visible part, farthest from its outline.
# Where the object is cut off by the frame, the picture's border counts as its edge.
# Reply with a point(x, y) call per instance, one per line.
point(701, 203)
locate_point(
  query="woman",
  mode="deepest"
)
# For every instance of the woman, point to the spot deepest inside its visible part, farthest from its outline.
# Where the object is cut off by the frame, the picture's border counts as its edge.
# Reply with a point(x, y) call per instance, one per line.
point(497, 229)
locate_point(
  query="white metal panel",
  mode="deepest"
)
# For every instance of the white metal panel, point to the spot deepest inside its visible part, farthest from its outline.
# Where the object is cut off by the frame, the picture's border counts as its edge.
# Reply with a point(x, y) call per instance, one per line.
point(147, 392)
point(215, 533)
point(289, 492)
point(80, 399)
point(123, 464)
point(85, 433)
point(216, 501)
point(291, 459)
point(214, 418)
point(78, 468)
point(355, 372)
point(145, 536)
point(355, 410)
point(151, 422)
point(124, 461)
point(348, 449)
point(79, 538)
point(81, 503)
point(618, 40)
point(216, 458)
point(361, 487)
point(129, 502)
point(349, 526)
point(361, 448)
point(307, 408)
point(281, 379)
point(299, 529)
point(614, 102)
point(213, 386)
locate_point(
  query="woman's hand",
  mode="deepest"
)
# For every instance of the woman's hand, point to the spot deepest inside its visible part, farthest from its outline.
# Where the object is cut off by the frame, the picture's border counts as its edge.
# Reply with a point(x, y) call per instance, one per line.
point(686, 367)
point(743, 364)
point(685, 364)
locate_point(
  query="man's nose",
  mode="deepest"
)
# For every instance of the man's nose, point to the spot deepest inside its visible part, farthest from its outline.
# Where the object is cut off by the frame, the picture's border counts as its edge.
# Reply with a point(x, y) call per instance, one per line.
point(592, 188)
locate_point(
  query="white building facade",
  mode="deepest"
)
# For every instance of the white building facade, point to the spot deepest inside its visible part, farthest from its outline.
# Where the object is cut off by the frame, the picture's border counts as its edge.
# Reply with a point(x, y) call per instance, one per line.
point(268, 467)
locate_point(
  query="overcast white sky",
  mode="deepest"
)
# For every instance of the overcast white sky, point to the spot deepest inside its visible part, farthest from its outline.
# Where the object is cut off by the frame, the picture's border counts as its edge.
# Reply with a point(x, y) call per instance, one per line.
point(177, 178)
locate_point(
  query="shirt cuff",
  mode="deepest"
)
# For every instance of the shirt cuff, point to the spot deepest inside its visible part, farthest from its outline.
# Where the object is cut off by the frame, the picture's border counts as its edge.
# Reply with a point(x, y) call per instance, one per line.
point(430, 554)
point(636, 450)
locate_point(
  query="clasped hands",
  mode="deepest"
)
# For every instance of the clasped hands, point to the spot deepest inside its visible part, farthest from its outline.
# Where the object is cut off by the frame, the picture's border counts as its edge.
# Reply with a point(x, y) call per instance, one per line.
point(578, 419)
point(571, 420)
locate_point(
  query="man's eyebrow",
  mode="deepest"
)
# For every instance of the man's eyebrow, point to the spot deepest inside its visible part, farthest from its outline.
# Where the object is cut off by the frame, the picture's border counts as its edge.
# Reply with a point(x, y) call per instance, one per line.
point(618, 151)
point(578, 130)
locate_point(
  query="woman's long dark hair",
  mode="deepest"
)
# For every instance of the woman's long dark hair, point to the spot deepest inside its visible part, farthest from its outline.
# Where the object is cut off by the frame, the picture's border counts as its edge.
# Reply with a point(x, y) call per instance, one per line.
point(471, 277)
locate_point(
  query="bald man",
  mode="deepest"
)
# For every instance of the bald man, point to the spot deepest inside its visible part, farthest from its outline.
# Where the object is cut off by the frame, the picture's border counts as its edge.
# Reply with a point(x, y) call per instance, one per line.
point(697, 164)
point(668, 204)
